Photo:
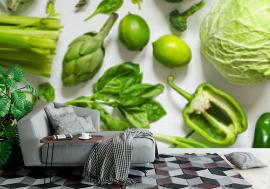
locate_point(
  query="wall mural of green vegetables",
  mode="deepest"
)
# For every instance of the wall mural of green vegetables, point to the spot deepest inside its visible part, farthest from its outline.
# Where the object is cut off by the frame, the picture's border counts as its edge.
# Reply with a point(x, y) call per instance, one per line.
point(160, 50)
point(29, 41)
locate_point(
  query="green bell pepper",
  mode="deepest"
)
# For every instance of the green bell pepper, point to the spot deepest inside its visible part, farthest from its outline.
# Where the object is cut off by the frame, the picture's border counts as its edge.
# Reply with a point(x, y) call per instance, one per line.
point(212, 113)
point(262, 132)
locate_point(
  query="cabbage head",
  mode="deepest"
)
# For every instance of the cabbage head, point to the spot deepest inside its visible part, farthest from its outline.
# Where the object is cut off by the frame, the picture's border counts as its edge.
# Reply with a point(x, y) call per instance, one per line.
point(235, 39)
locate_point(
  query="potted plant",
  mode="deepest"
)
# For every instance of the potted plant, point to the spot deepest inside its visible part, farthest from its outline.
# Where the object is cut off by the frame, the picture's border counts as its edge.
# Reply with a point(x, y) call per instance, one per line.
point(16, 100)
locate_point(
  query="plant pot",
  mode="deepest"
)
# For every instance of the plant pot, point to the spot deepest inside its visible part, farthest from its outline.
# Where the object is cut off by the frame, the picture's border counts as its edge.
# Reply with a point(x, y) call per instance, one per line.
point(16, 158)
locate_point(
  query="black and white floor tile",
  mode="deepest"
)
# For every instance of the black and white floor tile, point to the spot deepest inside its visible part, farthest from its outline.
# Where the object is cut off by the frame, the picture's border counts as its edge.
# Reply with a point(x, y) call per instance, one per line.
point(186, 171)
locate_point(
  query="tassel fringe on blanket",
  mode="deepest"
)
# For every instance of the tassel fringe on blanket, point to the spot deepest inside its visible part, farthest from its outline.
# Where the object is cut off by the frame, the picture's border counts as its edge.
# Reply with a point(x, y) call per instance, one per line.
point(114, 158)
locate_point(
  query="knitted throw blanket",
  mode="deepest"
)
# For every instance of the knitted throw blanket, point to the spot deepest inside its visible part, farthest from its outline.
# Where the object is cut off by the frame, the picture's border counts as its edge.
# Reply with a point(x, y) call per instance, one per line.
point(111, 159)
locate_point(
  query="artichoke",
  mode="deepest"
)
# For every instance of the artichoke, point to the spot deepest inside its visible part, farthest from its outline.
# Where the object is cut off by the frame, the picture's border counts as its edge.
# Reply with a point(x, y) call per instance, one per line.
point(85, 55)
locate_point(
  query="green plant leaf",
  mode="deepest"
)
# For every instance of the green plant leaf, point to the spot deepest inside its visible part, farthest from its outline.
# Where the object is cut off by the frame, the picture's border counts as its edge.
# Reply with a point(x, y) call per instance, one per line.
point(4, 106)
point(11, 83)
point(118, 77)
point(131, 101)
point(113, 124)
point(154, 110)
point(143, 90)
point(46, 92)
point(30, 88)
point(5, 152)
point(18, 98)
point(106, 7)
point(21, 106)
point(2, 89)
point(11, 134)
point(136, 117)
point(82, 101)
point(18, 74)
point(28, 106)
point(136, 95)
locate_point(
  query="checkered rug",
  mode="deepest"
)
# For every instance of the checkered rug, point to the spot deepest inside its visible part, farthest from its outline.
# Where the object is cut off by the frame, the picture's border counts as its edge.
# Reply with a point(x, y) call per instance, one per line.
point(186, 171)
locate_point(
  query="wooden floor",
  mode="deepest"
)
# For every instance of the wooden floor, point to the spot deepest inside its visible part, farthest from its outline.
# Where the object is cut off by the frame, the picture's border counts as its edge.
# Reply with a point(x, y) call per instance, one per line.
point(259, 178)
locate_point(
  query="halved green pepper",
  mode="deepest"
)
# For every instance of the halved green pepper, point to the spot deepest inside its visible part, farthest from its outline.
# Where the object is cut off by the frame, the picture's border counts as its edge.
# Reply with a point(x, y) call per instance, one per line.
point(212, 113)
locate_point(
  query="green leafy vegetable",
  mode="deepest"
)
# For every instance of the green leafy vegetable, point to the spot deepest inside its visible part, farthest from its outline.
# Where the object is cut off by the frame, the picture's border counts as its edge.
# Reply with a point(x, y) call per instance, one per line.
point(154, 110)
point(121, 88)
point(235, 40)
point(85, 55)
point(111, 83)
point(80, 4)
point(33, 40)
point(136, 117)
point(46, 92)
point(179, 19)
point(106, 7)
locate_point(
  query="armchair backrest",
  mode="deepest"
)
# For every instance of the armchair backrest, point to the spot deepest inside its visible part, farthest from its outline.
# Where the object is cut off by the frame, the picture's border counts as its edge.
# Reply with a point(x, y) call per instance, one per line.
point(36, 126)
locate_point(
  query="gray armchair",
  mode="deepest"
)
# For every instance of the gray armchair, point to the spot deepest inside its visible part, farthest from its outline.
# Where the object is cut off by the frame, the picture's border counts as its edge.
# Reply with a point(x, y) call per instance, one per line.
point(36, 126)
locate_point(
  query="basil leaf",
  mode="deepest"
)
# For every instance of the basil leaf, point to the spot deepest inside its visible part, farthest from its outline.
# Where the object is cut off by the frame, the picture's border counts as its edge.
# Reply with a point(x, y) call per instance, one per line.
point(136, 116)
point(82, 101)
point(46, 92)
point(136, 95)
point(111, 123)
point(143, 90)
point(101, 97)
point(114, 124)
point(118, 77)
point(106, 7)
point(130, 101)
point(154, 110)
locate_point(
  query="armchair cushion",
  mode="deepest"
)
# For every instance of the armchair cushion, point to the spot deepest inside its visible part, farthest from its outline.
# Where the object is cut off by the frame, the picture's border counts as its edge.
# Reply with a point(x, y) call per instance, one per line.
point(64, 120)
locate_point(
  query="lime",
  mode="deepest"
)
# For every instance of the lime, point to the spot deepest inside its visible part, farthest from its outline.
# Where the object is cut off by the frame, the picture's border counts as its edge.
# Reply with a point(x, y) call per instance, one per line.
point(171, 51)
point(134, 32)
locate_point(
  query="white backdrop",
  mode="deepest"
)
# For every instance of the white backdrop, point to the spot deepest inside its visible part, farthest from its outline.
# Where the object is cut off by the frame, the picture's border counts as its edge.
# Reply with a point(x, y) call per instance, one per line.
point(254, 99)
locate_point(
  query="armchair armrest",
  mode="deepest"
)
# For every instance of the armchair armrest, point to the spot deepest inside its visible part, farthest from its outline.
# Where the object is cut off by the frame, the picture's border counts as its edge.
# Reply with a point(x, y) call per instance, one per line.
point(31, 129)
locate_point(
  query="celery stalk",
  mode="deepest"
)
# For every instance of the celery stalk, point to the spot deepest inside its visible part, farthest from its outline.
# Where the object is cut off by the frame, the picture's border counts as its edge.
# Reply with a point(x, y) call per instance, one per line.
point(25, 21)
point(54, 35)
point(41, 70)
point(25, 42)
point(24, 55)
point(29, 41)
